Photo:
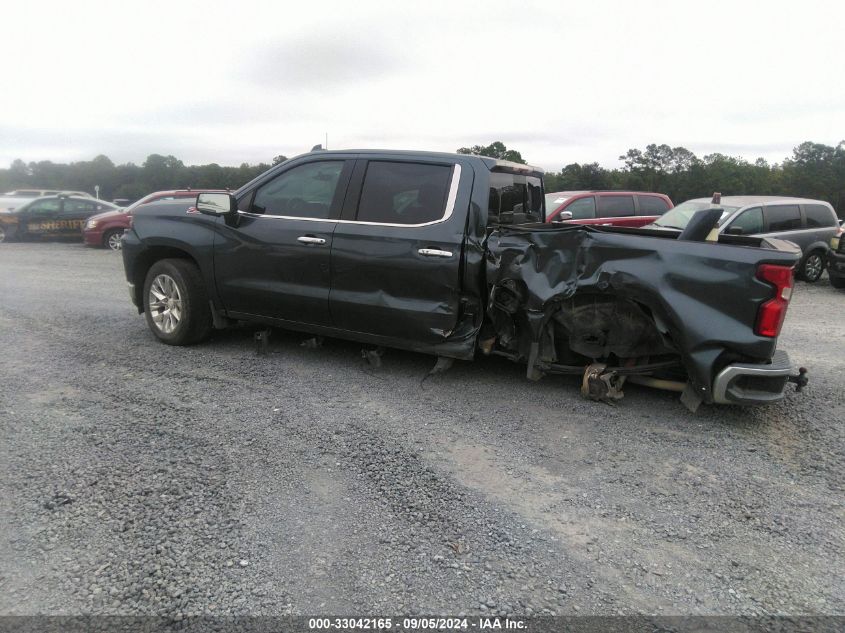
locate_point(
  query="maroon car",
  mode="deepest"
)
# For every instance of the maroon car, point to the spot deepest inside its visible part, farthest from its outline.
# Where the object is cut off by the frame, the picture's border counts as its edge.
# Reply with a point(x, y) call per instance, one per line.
point(619, 208)
point(106, 229)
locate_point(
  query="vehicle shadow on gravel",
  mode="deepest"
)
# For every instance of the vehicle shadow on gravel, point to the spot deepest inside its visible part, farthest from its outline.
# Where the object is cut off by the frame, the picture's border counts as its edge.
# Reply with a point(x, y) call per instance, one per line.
point(491, 372)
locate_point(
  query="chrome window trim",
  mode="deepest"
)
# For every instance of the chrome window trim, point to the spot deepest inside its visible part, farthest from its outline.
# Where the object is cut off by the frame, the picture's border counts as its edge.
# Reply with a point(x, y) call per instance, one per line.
point(450, 208)
point(818, 228)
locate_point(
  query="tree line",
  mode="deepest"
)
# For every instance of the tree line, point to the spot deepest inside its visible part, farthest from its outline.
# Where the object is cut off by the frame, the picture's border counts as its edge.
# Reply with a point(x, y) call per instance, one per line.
point(129, 181)
point(814, 171)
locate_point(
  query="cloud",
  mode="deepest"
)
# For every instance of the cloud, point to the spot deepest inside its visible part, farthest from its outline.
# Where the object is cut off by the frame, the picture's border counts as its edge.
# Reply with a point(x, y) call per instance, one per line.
point(321, 62)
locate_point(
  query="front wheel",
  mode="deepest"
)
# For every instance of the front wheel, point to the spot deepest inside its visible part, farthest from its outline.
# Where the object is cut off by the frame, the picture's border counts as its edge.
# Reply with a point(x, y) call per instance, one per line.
point(812, 267)
point(176, 304)
point(113, 239)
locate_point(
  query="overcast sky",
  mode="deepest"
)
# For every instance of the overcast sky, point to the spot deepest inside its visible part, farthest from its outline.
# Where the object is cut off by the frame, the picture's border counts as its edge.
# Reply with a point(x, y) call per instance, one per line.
point(562, 82)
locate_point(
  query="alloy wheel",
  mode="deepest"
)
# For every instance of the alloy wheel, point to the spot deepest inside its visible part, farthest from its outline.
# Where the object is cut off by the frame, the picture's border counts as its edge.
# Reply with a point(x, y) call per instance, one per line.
point(165, 303)
point(813, 267)
point(115, 241)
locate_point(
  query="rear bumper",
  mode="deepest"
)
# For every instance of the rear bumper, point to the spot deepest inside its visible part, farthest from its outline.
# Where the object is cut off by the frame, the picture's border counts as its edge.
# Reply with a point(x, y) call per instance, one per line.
point(753, 383)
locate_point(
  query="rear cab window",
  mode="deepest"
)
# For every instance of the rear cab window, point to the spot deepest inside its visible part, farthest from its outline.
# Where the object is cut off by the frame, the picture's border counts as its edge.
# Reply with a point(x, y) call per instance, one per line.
point(615, 206)
point(515, 199)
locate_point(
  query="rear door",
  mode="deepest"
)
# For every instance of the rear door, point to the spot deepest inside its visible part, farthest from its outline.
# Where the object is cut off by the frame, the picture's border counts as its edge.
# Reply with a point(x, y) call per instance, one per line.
point(396, 252)
point(784, 221)
point(614, 209)
point(73, 215)
point(275, 262)
point(820, 222)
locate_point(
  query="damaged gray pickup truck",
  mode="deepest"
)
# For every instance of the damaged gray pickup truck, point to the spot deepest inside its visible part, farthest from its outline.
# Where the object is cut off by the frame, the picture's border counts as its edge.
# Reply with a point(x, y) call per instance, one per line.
point(447, 254)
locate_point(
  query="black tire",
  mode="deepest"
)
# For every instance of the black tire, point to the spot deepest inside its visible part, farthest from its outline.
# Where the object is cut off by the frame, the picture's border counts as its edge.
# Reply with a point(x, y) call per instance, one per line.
point(837, 282)
point(108, 242)
point(811, 267)
point(183, 317)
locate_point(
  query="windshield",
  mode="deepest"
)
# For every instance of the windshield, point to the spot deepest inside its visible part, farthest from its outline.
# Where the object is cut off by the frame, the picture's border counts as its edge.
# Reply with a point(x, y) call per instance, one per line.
point(679, 217)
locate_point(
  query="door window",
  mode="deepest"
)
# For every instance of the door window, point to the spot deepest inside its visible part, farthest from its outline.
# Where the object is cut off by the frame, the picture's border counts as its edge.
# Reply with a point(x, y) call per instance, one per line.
point(652, 205)
point(79, 207)
point(582, 208)
point(748, 222)
point(306, 191)
point(45, 206)
point(818, 216)
point(615, 206)
point(783, 217)
point(404, 193)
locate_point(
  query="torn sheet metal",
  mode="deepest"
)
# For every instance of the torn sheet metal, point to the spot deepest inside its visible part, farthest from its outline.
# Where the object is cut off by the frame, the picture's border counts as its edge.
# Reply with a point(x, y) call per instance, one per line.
point(625, 295)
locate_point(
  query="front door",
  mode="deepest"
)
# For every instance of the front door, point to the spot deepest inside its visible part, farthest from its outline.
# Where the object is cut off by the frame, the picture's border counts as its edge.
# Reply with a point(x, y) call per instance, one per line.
point(40, 218)
point(274, 262)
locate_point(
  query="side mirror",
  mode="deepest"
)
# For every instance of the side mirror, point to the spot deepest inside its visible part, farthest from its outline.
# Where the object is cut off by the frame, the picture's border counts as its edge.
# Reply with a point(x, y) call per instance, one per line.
point(217, 203)
point(734, 230)
point(563, 216)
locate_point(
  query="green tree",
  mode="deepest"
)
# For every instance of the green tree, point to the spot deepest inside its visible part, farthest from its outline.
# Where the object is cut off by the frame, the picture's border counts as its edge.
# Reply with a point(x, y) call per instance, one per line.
point(496, 149)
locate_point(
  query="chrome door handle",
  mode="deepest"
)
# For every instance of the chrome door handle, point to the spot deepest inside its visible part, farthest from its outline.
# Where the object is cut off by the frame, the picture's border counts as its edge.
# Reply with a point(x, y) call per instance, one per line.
point(433, 252)
point(306, 239)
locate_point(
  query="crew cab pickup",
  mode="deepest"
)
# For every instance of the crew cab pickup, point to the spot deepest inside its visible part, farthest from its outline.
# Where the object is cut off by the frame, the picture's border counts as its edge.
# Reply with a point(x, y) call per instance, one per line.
point(447, 254)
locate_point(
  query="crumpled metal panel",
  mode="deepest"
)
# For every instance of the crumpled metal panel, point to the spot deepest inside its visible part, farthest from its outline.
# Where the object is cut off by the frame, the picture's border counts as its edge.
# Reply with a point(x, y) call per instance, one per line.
point(704, 296)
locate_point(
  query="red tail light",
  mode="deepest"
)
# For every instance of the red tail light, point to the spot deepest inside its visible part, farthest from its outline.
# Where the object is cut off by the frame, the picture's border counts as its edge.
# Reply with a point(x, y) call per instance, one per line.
point(771, 314)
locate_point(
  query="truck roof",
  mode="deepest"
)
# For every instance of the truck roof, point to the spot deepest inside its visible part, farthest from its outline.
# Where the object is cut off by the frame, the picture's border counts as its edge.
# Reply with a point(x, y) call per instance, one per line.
point(493, 164)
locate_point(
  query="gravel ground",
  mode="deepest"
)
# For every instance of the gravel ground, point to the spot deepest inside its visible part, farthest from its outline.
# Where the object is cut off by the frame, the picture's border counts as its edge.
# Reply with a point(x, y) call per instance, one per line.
point(143, 479)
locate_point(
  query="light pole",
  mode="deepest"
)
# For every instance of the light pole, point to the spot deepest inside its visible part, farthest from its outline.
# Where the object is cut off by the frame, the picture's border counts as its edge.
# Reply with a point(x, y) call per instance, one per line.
point(97, 191)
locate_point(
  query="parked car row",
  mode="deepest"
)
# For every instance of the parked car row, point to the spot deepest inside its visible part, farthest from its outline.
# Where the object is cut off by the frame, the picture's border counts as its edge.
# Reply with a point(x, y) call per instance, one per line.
point(54, 216)
point(811, 224)
point(64, 215)
point(106, 229)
